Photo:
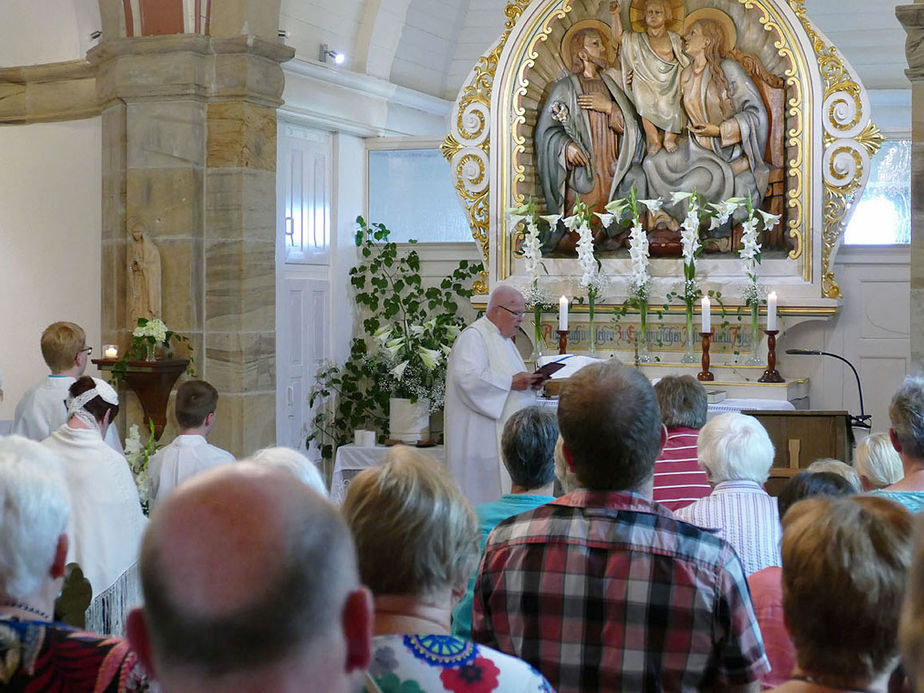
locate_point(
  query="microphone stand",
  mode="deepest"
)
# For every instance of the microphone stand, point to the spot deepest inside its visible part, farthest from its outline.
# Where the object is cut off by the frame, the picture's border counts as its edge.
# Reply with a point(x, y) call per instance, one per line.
point(864, 419)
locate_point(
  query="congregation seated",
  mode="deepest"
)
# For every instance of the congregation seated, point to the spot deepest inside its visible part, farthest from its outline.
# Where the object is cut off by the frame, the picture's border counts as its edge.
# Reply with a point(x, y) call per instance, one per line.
point(189, 453)
point(41, 411)
point(845, 563)
point(877, 462)
point(906, 412)
point(591, 587)
point(106, 517)
point(678, 478)
point(527, 450)
point(767, 585)
point(293, 462)
point(417, 544)
point(38, 653)
point(250, 585)
point(737, 454)
point(839, 467)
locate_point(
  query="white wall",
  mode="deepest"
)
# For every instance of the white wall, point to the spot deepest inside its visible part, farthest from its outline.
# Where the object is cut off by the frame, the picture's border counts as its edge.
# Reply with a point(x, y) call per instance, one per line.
point(49, 243)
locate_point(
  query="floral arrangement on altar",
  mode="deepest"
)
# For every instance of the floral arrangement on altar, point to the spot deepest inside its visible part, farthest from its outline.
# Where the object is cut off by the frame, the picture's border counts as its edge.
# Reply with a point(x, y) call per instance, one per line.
point(150, 334)
point(407, 332)
point(138, 452)
point(536, 298)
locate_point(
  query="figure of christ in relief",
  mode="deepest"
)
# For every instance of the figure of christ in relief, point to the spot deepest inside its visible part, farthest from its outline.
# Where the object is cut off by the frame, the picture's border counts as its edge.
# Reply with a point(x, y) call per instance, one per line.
point(651, 64)
point(588, 143)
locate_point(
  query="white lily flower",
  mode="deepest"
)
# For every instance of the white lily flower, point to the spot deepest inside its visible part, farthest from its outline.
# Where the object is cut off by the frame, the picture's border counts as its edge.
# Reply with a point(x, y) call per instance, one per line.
point(678, 196)
point(616, 206)
point(654, 206)
point(430, 357)
point(522, 210)
point(398, 371)
point(516, 219)
point(605, 219)
point(725, 209)
point(770, 220)
point(417, 330)
point(552, 219)
point(573, 222)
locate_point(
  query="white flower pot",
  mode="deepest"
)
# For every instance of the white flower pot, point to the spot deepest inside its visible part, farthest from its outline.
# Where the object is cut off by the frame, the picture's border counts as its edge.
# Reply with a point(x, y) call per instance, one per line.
point(409, 421)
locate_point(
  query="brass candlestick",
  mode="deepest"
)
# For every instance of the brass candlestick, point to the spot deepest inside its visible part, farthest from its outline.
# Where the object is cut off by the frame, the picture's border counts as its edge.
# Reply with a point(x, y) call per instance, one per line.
point(705, 374)
point(563, 341)
point(771, 375)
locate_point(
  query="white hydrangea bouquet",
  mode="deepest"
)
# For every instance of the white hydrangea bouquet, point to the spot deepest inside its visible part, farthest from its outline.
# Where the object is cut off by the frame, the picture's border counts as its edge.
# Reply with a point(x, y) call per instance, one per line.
point(150, 334)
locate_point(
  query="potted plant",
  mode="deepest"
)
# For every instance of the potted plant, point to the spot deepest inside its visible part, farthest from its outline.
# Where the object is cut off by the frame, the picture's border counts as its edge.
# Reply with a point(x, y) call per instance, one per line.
point(407, 330)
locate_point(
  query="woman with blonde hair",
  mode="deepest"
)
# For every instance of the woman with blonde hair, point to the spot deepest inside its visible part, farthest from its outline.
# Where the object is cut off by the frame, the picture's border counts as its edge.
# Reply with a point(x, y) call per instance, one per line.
point(417, 544)
point(877, 462)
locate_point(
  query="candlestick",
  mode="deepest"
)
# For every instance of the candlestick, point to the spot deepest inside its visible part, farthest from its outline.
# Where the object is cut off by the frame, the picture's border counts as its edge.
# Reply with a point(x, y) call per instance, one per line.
point(706, 308)
point(771, 375)
point(705, 374)
point(563, 341)
point(110, 351)
point(563, 314)
point(771, 311)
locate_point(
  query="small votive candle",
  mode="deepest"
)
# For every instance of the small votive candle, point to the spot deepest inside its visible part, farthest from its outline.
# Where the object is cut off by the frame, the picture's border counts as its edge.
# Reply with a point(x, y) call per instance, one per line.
point(110, 351)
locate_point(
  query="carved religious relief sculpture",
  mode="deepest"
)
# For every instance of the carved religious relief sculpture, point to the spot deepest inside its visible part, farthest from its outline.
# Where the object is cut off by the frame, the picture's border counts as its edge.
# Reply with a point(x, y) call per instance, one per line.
point(651, 64)
point(587, 139)
point(144, 280)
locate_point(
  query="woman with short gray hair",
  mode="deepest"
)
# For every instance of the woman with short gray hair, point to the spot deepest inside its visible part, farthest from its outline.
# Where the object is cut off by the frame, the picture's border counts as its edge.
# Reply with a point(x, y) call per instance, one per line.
point(737, 454)
point(417, 544)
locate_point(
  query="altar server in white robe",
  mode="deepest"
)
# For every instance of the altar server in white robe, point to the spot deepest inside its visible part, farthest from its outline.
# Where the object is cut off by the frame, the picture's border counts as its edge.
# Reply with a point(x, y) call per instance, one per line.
point(486, 382)
point(106, 518)
point(41, 410)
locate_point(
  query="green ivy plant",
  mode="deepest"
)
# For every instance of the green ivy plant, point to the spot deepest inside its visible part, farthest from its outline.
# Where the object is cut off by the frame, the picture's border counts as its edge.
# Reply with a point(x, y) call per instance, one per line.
point(407, 330)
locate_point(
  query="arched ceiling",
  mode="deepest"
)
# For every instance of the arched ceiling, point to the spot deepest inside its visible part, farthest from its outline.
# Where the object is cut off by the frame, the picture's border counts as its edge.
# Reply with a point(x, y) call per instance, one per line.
point(426, 45)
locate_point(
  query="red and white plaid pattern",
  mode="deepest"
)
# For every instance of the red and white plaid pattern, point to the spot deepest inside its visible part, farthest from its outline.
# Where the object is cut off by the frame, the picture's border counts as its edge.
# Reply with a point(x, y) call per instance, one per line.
point(678, 478)
point(609, 592)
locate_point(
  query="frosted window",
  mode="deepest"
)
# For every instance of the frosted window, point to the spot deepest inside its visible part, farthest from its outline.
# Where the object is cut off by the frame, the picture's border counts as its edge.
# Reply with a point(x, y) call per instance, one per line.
point(883, 214)
point(411, 192)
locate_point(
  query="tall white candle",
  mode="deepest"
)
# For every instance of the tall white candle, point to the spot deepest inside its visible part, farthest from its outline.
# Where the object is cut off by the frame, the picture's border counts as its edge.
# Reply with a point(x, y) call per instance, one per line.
point(706, 308)
point(771, 311)
point(563, 314)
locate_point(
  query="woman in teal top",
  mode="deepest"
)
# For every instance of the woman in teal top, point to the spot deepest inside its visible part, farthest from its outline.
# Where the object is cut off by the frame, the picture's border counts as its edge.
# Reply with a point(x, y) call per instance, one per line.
point(907, 435)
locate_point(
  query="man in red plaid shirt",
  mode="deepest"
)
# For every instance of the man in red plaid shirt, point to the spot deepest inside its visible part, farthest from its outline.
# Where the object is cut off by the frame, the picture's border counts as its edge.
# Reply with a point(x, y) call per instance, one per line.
point(603, 589)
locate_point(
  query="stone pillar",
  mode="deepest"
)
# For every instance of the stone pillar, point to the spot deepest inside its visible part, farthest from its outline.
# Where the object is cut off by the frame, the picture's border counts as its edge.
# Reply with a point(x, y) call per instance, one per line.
point(912, 19)
point(189, 150)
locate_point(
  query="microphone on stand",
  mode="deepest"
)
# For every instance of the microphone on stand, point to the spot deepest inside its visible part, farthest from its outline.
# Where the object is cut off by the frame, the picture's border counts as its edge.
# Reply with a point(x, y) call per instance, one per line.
point(864, 419)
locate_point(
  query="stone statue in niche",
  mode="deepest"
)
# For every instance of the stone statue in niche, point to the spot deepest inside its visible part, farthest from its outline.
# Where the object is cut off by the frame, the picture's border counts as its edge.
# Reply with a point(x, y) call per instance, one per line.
point(588, 142)
point(144, 297)
point(731, 111)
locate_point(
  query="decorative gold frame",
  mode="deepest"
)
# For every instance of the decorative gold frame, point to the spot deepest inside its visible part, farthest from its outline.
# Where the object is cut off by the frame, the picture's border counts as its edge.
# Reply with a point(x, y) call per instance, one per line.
point(848, 139)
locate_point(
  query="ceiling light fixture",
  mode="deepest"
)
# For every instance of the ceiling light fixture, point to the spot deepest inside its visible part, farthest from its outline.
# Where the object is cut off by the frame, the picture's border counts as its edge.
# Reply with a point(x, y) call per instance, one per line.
point(326, 55)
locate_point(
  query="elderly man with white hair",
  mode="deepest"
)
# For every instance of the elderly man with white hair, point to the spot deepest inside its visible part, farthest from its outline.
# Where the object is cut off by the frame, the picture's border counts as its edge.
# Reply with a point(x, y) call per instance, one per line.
point(737, 454)
point(486, 382)
point(106, 517)
point(39, 654)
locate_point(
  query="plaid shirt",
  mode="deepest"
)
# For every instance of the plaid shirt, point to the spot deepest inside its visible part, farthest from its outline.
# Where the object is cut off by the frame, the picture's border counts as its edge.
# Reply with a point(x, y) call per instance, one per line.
point(608, 591)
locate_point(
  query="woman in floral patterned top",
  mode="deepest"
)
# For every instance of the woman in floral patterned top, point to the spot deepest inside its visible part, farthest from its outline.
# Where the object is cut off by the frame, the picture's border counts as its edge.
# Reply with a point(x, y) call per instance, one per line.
point(37, 654)
point(417, 543)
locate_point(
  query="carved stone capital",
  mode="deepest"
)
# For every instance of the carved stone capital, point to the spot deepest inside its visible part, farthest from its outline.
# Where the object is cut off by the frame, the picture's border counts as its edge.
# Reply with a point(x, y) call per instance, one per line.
point(912, 19)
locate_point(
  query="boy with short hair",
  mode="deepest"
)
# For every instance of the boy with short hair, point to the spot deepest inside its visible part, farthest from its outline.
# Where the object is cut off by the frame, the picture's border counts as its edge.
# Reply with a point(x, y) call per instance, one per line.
point(41, 411)
point(189, 453)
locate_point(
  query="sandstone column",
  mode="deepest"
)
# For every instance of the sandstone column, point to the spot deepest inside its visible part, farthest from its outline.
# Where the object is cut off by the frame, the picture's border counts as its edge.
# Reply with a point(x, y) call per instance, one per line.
point(912, 19)
point(189, 150)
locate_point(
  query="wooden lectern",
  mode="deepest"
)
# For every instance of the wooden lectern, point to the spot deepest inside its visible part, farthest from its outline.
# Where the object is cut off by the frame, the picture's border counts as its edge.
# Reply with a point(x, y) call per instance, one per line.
point(801, 437)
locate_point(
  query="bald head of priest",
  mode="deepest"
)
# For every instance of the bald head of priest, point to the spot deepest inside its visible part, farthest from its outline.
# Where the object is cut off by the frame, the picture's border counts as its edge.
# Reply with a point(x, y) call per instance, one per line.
point(250, 584)
point(486, 382)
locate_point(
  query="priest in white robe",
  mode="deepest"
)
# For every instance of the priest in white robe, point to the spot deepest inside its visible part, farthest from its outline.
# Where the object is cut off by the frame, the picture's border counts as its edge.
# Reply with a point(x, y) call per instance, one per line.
point(106, 518)
point(486, 382)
